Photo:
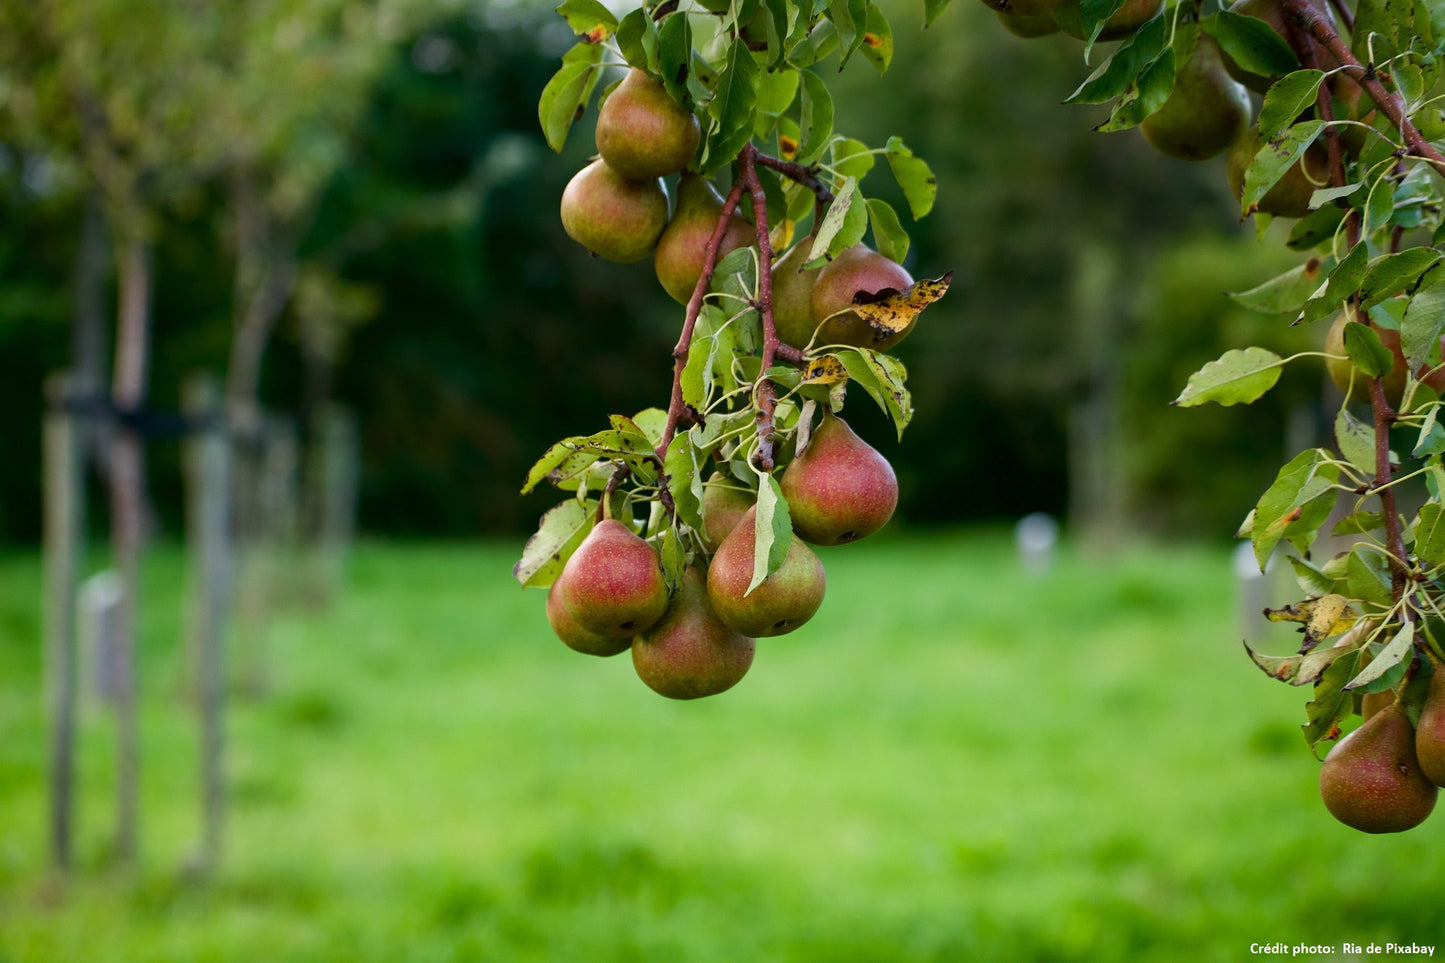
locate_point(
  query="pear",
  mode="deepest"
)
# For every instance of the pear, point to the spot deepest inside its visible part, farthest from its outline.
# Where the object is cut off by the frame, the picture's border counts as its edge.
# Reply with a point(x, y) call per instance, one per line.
point(724, 503)
point(1124, 22)
point(782, 602)
point(1373, 702)
point(839, 488)
point(793, 295)
point(857, 275)
point(1430, 733)
point(682, 248)
point(1206, 112)
point(1371, 780)
point(1357, 386)
point(576, 637)
point(1026, 26)
point(689, 652)
point(1290, 196)
point(611, 216)
point(642, 132)
point(613, 585)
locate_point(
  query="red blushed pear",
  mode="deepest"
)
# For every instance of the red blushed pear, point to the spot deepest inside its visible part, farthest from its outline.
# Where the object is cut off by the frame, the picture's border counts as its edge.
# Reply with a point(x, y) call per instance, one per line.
point(1430, 733)
point(575, 636)
point(642, 132)
point(611, 216)
point(781, 602)
point(793, 295)
point(682, 248)
point(613, 584)
point(839, 488)
point(724, 503)
point(1371, 780)
point(858, 271)
point(690, 653)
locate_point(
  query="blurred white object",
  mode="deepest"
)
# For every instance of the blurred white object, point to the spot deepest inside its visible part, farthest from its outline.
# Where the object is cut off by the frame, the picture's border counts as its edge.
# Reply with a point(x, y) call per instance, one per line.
point(1037, 538)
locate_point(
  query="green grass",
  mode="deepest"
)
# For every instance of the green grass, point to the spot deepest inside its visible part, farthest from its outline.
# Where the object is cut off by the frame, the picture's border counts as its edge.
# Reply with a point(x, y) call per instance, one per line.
point(951, 762)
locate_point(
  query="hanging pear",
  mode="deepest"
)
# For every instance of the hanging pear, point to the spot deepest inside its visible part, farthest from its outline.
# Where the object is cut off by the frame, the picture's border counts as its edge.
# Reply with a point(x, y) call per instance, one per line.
point(793, 295)
point(575, 636)
point(1206, 112)
point(781, 602)
point(857, 274)
point(1371, 780)
point(724, 502)
point(1290, 195)
point(611, 216)
point(839, 488)
point(642, 132)
point(1430, 733)
point(682, 248)
point(1130, 16)
point(689, 653)
point(613, 585)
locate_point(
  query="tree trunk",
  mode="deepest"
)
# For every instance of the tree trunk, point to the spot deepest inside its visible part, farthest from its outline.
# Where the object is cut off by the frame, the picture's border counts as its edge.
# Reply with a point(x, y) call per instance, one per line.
point(89, 346)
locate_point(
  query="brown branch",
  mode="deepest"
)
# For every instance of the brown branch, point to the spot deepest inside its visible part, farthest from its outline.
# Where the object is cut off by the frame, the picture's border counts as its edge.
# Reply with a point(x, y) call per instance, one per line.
point(805, 176)
point(765, 391)
point(1322, 30)
point(1346, 15)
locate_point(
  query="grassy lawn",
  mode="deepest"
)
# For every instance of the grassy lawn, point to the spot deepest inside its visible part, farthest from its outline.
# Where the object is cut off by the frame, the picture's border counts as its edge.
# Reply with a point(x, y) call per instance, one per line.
point(953, 761)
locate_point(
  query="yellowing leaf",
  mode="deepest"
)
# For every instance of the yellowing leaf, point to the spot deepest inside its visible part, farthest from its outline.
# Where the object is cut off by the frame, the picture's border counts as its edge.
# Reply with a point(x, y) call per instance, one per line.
point(891, 316)
point(825, 370)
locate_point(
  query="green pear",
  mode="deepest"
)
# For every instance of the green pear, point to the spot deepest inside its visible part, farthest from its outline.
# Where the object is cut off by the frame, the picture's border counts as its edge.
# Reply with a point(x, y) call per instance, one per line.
point(781, 602)
point(576, 637)
point(839, 488)
point(1123, 23)
point(1430, 733)
point(724, 502)
point(1290, 196)
point(642, 132)
point(1371, 780)
point(682, 248)
point(1373, 702)
point(1207, 111)
point(793, 295)
point(1027, 26)
point(611, 216)
point(689, 653)
point(857, 275)
point(613, 585)
point(1355, 385)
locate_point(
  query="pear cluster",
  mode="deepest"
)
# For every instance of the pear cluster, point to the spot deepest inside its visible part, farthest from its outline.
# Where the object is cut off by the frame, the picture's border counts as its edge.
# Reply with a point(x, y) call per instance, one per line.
point(1384, 777)
point(699, 639)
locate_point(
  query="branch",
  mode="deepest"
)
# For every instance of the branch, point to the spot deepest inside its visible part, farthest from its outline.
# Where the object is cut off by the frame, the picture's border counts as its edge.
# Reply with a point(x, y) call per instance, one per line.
point(805, 176)
point(766, 391)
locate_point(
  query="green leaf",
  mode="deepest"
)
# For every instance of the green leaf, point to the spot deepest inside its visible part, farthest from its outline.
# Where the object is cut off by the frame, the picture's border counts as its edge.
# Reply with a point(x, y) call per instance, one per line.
point(1356, 441)
point(1431, 440)
point(1331, 702)
point(674, 58)
point(931, 10)
point(732, 107)
point(889, 237)
point(1151, 89)
point(1288, 292)
point(774, 528)
point(1367, 576)
point(684, 481)
point(1424, 320)
point(843, 225)
point(1430, 534)
point(1380, 206)
point(637, 40)
point(1237, 377)
point(567, 93)
point(1311, 580)
point(1117, 74)
point(815, 119)
point(851, 158)
point(1315, 228)
point(877, 45)
point(1286, 99)
point(1345, 280)
point(1365, 349)
point(589, 19)
point(673, 557)
point(849, 18)
point(883, 377)
point(1296, 504)
point(1390, 273)
point(1254, 45)
point(914, 176)
point(1276, 156)
point(1391, 655)
point(560, 532)
point(1093, 14)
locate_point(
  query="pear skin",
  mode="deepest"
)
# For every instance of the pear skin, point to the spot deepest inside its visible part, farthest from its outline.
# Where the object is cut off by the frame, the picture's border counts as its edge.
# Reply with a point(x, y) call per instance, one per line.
point(1027, 27)
point(575, 636)
point(613, 585)
point(793, 295)
point(689, 653)
point(1371, 780)
point(1357, 386)
point(642, 132)
point(1206, 112)
point(1124, 22)
point(611, 216)
point(1430, 733)
point(858, 272)
point(724, 502)
point(682, 248)
point(839, 488)
point(781, 603)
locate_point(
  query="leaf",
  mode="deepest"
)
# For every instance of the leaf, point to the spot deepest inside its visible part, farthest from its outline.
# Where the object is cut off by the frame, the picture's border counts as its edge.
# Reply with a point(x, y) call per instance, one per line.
point(931, 10)
point(1365, 349)
point(1430, 534)
point(674, 59)
point(1254, 45)
point(1276, 156)
point(842, 226)
point(914, 176)
point(1295, 504)
point(1331, 702)
point(825, 370)
point(1117, 74)
point(1093, 14)
point(889, 237)
point(673, 557)
point(1151, 89)
point(1390, 656)
point(568, 91)
point(1367, 576)
point(883, 377)
point(815, 120)
point(637, 40)
point(774, 527)
point(1321, 617)
point(1286, 293)
point(1424, 320)
point(889, 314)
point(561, 530)
point(589, 19)
point(849, 18)
point(1286, 99)
point(1345, 280)
point(877, 45)
point(1431, 440)
point(684, 481)
point(1389, 273)
point(1380, 205)
point(732, 107)
point(1237, 377)
point(1356, 441)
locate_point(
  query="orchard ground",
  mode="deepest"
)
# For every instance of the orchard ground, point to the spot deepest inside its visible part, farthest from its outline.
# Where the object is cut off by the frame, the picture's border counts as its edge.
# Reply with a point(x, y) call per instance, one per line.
point(951, 761)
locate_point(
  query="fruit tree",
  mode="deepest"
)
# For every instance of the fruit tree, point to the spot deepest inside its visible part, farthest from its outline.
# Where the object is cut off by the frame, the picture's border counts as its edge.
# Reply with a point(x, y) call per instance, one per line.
point(686, 530)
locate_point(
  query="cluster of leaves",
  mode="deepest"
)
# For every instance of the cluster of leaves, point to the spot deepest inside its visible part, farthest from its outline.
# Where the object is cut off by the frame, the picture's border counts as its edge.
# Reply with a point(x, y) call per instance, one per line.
point(742, 402)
